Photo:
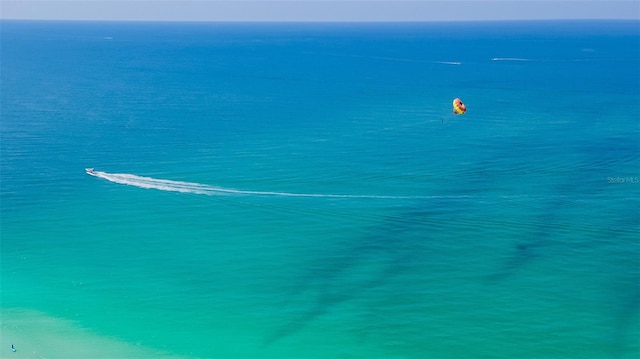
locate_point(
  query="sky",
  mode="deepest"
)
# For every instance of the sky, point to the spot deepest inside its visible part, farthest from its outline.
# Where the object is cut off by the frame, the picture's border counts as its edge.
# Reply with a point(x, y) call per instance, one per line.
point(318, 10)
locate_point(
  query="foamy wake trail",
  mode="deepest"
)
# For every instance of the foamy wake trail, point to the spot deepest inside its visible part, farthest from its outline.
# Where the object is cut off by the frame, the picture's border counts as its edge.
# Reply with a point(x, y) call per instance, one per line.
point(197, 188)
point(509, 59)
point(154, 183)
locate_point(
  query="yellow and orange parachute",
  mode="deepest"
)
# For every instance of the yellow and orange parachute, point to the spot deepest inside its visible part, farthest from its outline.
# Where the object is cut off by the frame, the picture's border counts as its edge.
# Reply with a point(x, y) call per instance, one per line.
point(458, 107)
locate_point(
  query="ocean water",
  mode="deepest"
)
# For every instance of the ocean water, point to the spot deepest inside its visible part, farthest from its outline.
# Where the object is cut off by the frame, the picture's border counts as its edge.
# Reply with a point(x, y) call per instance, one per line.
point(304, 190)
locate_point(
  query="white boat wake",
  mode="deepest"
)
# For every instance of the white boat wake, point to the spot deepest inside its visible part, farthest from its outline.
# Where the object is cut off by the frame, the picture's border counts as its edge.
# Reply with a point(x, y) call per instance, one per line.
point(509, 59)
point(204, 189)
point(198, 188)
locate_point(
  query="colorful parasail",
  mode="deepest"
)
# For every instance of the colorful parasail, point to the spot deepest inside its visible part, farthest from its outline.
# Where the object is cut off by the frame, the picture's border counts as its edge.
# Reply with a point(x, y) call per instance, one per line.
point(458, 107)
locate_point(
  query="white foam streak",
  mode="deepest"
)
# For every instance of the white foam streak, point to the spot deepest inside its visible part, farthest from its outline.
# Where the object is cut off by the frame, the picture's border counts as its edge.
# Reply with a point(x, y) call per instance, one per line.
point(197, 188)
point(203, 189)
point(509, 59)
point(154, 183)
point(448, 62)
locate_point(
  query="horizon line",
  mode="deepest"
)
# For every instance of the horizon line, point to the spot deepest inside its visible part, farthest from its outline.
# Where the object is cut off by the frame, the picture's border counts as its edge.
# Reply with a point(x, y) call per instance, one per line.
point(318, 21)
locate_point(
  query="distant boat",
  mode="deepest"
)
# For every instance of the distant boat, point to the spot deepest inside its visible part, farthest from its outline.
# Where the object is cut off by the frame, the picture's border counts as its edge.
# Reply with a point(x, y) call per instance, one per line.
point(90, 171)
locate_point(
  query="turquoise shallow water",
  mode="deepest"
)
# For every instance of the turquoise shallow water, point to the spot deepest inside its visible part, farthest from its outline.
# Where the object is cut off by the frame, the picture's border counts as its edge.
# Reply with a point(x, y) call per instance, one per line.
point(303, 190)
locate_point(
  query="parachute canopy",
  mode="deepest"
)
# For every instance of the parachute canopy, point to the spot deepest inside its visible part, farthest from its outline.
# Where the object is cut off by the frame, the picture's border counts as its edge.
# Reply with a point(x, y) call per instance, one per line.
point(458, 107)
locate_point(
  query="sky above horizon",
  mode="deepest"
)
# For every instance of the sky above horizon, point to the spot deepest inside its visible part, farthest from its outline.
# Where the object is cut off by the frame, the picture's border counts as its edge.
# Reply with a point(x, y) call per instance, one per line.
point(317, 10)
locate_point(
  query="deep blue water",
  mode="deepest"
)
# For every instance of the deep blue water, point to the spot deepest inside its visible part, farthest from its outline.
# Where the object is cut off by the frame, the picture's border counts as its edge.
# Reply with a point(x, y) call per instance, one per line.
point(304, 191)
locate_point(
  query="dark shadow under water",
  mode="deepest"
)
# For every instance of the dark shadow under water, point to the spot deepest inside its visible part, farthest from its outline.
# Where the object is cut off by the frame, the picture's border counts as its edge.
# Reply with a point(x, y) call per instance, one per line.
point(391, 249)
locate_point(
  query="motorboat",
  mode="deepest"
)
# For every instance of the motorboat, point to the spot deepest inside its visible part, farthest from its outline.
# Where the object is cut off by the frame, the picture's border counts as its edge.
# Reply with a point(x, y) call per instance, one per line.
point(90, 171)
